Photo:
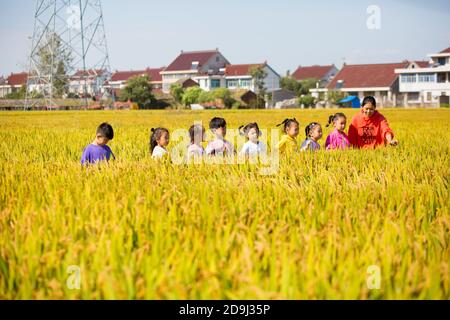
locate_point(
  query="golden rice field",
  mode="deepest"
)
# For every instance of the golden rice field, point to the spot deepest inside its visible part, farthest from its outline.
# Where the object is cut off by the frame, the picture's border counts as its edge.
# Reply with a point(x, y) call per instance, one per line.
point(142, 229)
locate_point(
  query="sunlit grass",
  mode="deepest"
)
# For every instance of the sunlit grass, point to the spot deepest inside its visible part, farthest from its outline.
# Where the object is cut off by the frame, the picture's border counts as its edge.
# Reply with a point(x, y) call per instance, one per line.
point(141, 229)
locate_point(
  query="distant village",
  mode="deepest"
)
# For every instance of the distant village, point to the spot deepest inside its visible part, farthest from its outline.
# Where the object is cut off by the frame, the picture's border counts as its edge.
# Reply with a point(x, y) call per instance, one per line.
point(424, 83)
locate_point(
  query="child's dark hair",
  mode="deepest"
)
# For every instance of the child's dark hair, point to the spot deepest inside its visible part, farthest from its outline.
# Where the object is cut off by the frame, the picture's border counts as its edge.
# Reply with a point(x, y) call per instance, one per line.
point(217, 123)
point(335, 117)
point(196, 131)
point(287, 123)
point(310, 128)
point(105, 130)
point(155, 136)
point(369, 99)
point(244, 130)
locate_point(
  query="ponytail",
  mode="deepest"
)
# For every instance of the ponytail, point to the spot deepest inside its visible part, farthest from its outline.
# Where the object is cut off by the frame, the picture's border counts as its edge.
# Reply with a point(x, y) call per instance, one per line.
point(287, 123)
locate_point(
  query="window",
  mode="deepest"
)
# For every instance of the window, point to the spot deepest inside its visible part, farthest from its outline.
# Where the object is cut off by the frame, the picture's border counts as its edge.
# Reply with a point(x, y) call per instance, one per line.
point(246, 83)
point(232, 83)
point(427, 77)
point(408, 78)
point(413, 96)
point(441, 77)
point(215, 83)
point(339, 84)
point(441, 61)
point(194, 65)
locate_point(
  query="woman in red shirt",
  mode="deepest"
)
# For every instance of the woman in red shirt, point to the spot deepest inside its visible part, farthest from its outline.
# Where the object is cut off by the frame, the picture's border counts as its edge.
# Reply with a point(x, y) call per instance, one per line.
point(369, 129)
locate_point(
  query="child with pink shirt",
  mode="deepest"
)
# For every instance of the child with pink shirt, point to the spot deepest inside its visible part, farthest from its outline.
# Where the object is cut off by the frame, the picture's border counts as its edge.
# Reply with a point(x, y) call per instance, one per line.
point(337, 139)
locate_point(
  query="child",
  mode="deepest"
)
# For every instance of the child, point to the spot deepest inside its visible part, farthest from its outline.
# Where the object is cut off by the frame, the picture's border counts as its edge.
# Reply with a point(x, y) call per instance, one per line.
point(253, 147)
point(98, 150)
point(197, 134)
point(313, 133)
point(369, 129)
point(337, 139)
point(288, 142)
point(219, 146)
point(159, 140)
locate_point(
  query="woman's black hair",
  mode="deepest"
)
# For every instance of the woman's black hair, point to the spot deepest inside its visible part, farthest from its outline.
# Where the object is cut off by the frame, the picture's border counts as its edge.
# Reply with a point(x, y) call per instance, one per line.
point(155, 136)
point(196, 131)
point(243, 130)
point(335, 117)
point(105, 130)
point(369, 99)
point(310, 127)
point(287, 123)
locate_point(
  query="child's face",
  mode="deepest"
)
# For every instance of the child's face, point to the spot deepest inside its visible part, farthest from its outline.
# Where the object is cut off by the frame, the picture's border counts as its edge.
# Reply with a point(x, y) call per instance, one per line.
point(101, 140)
point(221, 132)
point(292, 130)
point(368, 109)
point(340, 124)
point(253, 135)
point(316, 133)
point(163, 141)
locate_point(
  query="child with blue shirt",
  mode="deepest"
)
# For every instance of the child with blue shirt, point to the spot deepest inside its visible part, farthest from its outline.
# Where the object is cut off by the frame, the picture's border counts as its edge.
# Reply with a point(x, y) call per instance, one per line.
point(98, 150)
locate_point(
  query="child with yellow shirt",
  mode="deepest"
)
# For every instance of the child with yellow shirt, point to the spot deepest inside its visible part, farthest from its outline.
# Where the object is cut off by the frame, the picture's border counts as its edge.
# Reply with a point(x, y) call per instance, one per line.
point(288, 142)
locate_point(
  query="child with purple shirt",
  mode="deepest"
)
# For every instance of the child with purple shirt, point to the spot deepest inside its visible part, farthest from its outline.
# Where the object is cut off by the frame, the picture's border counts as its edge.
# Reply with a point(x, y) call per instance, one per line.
point(98, 150)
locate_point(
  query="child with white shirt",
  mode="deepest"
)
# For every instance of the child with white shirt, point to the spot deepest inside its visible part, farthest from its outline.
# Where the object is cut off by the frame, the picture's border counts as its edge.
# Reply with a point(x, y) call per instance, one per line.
point(197, 135)
point(253, 147)
point(159, 140)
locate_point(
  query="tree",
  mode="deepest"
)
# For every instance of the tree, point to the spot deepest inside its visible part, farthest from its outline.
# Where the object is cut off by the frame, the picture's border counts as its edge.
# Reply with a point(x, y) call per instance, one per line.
point(16, 95)
point(191, 95)
point(177, 91)
point(138, 90)
point(54, 59)
point(259, 75)
point(306, 100)
point(290, 84)
point(307, 84)
point(225, 95)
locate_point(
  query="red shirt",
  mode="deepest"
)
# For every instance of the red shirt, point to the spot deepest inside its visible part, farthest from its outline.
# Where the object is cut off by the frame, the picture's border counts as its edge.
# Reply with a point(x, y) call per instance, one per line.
point(368, 133)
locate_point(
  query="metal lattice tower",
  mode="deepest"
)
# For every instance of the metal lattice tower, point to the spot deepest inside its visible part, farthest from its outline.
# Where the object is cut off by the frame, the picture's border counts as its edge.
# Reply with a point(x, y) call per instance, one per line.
point(69, 38)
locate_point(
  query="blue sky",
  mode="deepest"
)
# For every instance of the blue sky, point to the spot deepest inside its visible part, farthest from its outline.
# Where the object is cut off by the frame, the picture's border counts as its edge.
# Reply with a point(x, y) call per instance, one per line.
point(286, 33)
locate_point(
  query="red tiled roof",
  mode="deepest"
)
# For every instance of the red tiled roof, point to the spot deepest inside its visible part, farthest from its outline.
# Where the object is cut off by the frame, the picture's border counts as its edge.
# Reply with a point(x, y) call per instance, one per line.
point(311, 72)
point(367, 75)
point(125, 75)
point(185, 59)
point(89, 72)
point(18, 79)
point(240, 69)
point(445, 50)
point(422, 64)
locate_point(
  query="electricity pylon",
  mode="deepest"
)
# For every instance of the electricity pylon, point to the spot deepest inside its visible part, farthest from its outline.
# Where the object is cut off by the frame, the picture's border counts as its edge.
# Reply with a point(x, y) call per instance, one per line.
point(68, 40)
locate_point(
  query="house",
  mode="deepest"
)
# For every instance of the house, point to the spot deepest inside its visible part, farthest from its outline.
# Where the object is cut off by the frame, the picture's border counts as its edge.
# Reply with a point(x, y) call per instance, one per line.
point(323, 74)
point(187, 83)
point(94, 81)
point(283, 99)
point(119, 79)
point(13, 83)
point(3, 87)
point(238, 76)
point(204, 67)
point(424, 83)
point(378, 80)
